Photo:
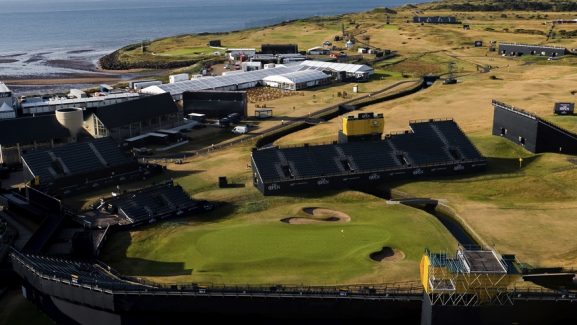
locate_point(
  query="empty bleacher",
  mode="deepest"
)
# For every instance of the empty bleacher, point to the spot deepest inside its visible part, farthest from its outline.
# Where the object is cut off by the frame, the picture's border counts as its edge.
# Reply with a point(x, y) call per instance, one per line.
point(74, 159)
point(152, 202)
point(431, 143)
point(110, 151)
point(369, 156)
point(457, 139)
point(76, 272)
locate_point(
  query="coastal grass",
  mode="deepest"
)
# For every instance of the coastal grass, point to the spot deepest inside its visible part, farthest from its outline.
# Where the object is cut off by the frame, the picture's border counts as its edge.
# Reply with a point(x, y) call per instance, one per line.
point(252, 246)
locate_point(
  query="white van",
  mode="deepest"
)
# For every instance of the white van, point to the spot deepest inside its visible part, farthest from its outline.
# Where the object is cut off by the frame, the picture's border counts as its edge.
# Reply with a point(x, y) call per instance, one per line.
point(240, 129)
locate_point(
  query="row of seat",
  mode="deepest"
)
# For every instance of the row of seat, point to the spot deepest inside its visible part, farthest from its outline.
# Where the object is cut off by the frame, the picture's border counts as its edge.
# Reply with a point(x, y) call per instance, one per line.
point(153, 201)
point(431, 142)
point(457, 139)
point(75, 159)
point(74, 271)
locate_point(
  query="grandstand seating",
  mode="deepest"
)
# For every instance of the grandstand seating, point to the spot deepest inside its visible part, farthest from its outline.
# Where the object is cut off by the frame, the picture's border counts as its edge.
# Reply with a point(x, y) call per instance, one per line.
point(369, 156)
point(152, 202)
point(77, 272)
point(430, 142)
point(456, 138)
point(74, 159)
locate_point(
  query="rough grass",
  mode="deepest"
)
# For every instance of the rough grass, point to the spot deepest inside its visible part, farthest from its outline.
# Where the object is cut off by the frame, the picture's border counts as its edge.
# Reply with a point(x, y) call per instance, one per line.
point(526, 211)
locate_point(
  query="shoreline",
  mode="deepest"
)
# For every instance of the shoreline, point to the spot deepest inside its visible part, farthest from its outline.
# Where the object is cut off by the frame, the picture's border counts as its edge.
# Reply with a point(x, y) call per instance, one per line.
point(86, 70)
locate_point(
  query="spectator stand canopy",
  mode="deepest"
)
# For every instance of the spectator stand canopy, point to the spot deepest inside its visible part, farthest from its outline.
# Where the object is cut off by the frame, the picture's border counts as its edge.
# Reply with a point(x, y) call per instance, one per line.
point(298, 80)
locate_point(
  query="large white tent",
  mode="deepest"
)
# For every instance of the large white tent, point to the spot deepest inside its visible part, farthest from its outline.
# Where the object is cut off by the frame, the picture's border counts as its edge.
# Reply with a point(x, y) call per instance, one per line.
point(298, 80)
point(359, 71)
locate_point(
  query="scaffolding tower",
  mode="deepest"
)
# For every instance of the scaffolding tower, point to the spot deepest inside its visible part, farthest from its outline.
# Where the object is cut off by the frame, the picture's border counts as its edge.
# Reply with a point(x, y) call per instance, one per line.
point(473, 276)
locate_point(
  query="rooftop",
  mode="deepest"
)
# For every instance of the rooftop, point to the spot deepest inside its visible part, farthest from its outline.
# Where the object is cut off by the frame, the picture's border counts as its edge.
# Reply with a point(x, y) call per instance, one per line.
point(533, 45)
point(4, 88)
point(25, 130)
point(298, 76)
point(136, 110)
point(482, 261)
point(350, 68)
point(65, 101)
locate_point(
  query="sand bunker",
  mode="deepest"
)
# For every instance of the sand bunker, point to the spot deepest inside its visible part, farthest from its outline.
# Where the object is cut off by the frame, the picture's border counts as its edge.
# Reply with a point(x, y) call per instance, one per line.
point(318, 215)
point(387, 254)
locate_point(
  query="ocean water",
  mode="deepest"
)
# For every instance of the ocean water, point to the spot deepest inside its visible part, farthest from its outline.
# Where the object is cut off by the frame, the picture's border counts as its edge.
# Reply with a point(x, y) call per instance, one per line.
point(39, 33)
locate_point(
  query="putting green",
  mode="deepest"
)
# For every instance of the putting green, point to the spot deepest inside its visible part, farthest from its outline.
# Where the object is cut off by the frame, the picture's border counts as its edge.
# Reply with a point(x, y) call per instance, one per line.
point(260, 249)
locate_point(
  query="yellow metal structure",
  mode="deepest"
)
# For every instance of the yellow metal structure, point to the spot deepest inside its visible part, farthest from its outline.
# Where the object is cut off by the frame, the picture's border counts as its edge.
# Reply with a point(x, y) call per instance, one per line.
point(363, 124)
point(470, 277)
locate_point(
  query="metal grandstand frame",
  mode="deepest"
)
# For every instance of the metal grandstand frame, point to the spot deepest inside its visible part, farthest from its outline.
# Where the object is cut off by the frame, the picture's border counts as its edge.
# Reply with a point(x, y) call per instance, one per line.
point(458, 285)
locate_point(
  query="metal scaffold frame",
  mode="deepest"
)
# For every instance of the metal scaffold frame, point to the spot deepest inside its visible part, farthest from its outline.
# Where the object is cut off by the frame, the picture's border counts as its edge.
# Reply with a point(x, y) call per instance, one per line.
point(452, 283)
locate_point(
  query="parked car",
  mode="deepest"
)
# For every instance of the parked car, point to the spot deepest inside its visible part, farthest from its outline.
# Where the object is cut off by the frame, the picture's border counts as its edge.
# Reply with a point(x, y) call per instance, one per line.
point(234, 118)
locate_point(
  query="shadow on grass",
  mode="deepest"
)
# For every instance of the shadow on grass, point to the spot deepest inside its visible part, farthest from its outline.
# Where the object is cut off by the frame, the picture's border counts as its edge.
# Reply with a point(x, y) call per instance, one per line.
point(131, 266)
point(177, 174)
point(116, 248)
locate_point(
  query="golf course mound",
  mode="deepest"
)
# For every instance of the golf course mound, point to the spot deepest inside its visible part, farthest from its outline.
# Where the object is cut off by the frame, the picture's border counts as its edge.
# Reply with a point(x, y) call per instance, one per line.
point(318, 215)
point(387, 254)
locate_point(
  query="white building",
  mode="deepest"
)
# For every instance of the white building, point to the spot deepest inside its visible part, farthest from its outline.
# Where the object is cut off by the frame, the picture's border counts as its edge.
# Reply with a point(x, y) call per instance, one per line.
point(140, 84)
point(298, 80)
point(77, 93)
point(251, 66)
point(176, 78)
point(232, 81)
point(236, 54)
point(352, 71)
point(318, 50)
point(5, 95)
point(31, 106)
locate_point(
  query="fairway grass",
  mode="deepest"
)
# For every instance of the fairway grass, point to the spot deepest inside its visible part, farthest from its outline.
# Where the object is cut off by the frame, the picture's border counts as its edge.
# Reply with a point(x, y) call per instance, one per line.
point(257, 248)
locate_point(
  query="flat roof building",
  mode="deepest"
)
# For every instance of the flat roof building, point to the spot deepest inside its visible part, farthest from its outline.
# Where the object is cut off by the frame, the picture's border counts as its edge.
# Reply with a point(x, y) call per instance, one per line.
point(132, 118)
point(435, 20)
point(42, 106)
point(517, 49)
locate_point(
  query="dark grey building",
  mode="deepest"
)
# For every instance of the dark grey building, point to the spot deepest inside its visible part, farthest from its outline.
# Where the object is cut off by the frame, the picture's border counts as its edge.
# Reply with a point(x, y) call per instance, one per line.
point(533, 133)
point(435, 20)
point(19, 135)
point(133, 118)
point(279, 48)
point(215, 104)
point(515, 49)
